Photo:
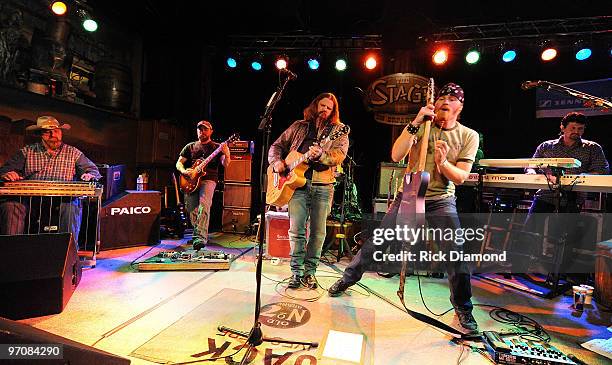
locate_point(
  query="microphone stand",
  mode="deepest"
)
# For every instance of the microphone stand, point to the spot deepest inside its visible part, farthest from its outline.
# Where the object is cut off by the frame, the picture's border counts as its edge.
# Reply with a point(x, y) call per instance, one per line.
point(255, 336)
point(591, 100)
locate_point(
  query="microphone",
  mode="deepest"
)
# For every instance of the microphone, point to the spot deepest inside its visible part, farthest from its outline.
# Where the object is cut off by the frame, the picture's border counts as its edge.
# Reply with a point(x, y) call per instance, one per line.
point(530, 84)
point(290, 74)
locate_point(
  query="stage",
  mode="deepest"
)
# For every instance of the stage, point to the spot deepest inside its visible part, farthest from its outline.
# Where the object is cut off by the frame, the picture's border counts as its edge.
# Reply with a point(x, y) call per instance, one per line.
point(154, 317)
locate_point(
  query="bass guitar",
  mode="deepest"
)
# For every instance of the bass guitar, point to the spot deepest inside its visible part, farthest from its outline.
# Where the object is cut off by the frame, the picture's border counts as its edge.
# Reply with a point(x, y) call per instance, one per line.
point(281, 186)
point(411, 211)
point(189, 184)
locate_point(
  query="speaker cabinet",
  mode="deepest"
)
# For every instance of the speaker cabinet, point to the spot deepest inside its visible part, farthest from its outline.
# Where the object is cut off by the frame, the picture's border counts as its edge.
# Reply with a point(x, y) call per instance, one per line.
point(113, 178)
point(237, 195)
point(277, 235)
point(239, 170)
point(235, 220)
point(74, 353)
point(131, 219)
point(390, 175)
point(38, 275)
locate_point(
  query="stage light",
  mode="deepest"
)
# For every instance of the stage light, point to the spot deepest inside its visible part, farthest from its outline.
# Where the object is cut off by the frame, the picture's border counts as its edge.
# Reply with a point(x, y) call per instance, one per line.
point(281, 63)
point(440, 56)
point(257, 62)
point(370, 62)
point(59, 8)
point(341, 64)
point(473, 54)
point(90, 25)
point(509, 55)
point(549, 51)
point(583, 52)
point(231, 62)
point(313, 63)
point(256, 65)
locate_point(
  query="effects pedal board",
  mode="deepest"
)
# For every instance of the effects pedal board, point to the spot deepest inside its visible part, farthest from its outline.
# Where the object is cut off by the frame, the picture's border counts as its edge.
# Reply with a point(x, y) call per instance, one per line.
point(187, 260)
point(517, 351)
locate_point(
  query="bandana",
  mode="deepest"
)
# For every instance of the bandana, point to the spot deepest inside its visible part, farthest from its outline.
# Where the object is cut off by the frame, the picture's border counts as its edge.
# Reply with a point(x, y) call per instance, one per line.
point(453, 90)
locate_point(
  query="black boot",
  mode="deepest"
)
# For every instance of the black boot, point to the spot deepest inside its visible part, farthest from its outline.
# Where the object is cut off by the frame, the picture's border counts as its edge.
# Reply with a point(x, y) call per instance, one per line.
point(295, 282)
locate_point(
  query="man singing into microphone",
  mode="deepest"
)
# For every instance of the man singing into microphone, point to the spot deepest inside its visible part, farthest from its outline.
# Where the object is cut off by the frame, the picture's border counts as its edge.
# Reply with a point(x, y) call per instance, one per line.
point(312, 202)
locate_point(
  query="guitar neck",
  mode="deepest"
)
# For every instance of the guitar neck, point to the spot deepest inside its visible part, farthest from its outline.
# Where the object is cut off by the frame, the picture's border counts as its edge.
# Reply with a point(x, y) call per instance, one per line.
point(296, 163)
point(210, 157)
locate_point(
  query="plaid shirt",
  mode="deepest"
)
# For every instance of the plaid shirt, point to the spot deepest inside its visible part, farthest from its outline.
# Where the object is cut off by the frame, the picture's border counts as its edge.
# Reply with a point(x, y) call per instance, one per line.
point(589, 153)
point(33, 162)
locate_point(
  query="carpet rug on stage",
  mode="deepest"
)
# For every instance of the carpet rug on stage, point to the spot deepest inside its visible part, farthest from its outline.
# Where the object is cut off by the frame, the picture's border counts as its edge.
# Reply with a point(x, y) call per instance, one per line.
point(196, 335)
point(230, 240)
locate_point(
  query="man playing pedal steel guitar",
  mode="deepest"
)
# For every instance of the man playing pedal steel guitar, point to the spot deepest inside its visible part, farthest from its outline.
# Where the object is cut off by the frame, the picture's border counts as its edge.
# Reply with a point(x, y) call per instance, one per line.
point(50, 159)
point(313, 200)
point(449, 160)
point(198, 202)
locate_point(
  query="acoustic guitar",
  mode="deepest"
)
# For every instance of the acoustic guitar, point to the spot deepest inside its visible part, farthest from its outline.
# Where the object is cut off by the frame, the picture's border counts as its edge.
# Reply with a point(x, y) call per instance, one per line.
point(281, 186)
point(189, 184)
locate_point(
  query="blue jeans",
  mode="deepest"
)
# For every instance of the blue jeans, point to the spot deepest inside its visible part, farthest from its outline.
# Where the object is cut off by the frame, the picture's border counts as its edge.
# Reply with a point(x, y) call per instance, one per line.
point(439, 214)
point(19, 216)
point(198, 206)
point(311, 203)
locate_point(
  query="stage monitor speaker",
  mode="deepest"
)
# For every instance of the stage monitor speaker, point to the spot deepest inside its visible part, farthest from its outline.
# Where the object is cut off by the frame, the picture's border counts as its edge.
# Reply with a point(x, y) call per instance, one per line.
point(237, 195)
point(130, 219)
point(113, 178)
point(73, 353)
point(235, 220)
point(389, 174)
point(239, 170)
point(38, 274)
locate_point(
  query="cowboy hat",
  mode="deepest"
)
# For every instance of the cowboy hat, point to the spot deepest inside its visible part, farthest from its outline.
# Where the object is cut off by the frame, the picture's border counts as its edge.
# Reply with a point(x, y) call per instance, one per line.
point(46, 122)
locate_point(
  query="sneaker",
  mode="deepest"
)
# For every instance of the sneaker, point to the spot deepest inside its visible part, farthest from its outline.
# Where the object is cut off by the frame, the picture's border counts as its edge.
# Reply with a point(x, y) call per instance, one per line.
point(338, 288)
point(467, 321)
point(310, 282)
point(295, 282)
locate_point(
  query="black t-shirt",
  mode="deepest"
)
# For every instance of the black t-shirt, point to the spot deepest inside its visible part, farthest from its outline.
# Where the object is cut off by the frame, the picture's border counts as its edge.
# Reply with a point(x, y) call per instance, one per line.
point(196, 150)
point(309, 140)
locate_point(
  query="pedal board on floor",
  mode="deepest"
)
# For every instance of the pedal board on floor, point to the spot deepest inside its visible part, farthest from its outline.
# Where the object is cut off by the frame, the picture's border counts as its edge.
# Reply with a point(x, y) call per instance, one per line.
point(187, 260)
point(519, 351)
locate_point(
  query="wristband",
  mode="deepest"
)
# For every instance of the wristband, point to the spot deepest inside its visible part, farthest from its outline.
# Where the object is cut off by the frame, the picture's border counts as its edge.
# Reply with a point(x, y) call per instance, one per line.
point(412, 129)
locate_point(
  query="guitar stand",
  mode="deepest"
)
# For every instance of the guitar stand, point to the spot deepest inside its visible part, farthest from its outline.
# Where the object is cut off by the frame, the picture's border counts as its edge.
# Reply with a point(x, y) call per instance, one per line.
point(343, 246)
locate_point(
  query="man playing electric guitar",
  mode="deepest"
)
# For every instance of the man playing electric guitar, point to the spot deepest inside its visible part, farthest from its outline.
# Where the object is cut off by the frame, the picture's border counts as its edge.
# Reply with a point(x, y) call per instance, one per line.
point(199, 201)
point(321, 117)
point(451, 151)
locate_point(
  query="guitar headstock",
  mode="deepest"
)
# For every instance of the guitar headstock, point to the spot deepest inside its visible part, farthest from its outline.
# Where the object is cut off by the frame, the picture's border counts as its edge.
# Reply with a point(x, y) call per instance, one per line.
point(345, 129)
point(233, 137)
point(431, 92)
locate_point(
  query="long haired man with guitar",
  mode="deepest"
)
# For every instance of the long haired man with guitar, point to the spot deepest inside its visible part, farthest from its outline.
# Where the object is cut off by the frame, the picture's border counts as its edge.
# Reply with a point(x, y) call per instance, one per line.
point(451, 149)
point(312, 201)
point(198, 196)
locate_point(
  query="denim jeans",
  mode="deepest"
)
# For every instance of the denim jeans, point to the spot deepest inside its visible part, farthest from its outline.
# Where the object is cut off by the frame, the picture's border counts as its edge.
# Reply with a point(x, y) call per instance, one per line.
point(198, 206)
point(311, 203)
point(439, 214)
point(18, 216)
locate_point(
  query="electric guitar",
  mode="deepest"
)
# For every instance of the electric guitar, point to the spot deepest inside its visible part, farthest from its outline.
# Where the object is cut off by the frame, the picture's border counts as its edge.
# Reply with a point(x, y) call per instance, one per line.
point(411, 211)
point(281, 186)
point(191, 183)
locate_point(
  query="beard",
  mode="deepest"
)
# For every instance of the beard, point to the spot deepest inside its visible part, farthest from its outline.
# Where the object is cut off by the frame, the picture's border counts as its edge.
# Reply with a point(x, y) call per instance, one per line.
point(53, 144)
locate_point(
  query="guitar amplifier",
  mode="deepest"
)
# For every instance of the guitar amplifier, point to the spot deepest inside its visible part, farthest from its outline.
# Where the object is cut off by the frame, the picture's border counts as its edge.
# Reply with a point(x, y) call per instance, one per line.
point(389, 175)
point(235, 220)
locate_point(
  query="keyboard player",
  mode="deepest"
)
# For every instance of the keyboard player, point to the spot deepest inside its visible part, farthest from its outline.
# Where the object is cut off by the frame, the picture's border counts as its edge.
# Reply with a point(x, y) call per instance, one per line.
point(49, 159)
point(569, 144)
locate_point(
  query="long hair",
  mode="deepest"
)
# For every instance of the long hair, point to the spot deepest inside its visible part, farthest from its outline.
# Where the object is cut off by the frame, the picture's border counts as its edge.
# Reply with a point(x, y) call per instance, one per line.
point(310, 113)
